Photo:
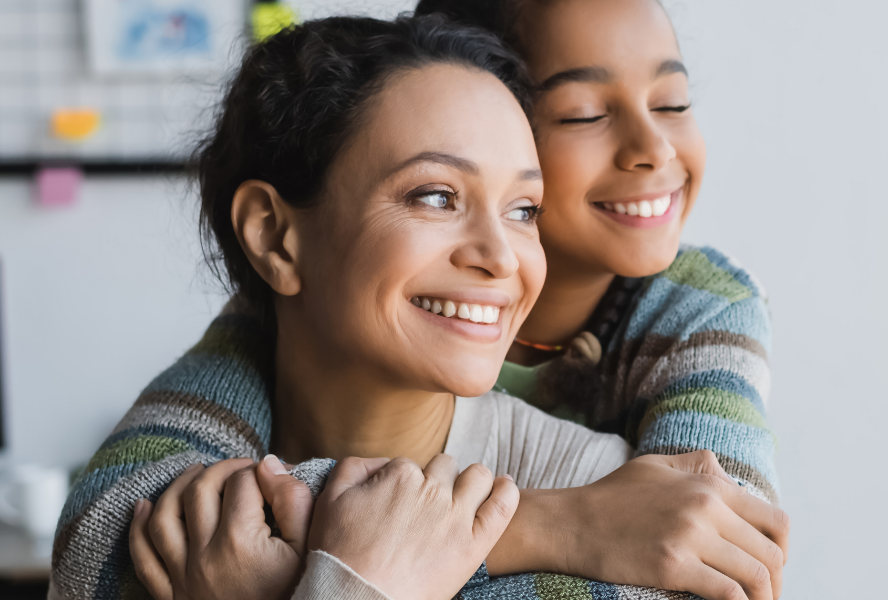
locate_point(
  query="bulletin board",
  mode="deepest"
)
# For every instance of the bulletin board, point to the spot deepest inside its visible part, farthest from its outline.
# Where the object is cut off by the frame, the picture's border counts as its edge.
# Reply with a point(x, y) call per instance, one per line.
point(113, 84)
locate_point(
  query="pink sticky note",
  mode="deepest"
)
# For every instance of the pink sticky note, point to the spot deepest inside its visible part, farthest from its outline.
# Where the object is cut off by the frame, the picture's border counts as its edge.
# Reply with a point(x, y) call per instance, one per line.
point(58, 186)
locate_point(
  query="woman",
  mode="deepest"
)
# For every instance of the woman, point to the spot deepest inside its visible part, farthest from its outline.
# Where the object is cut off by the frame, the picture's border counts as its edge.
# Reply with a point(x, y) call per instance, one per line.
point(318, 427)
point(356, 165)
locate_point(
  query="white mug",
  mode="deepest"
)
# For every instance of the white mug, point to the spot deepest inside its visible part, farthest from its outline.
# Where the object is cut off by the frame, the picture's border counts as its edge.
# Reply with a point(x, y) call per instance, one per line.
point(32, 497)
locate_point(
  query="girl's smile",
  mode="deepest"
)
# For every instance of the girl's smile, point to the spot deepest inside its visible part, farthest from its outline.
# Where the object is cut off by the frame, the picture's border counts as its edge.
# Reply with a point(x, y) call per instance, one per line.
point(644, 212)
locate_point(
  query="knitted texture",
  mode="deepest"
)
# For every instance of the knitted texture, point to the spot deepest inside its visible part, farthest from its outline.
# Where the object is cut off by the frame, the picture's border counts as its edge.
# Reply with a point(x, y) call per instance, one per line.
point(685, 367)
point(214, 404)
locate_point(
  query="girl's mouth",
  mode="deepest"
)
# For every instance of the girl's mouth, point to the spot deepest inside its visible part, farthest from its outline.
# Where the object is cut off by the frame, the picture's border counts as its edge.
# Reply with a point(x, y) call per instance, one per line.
point(644, 214)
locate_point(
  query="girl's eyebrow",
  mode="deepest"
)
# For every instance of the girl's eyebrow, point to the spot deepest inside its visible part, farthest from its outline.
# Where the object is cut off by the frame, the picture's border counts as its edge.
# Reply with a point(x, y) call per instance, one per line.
point(595, 74)
point(578, 75)
point(668, 67)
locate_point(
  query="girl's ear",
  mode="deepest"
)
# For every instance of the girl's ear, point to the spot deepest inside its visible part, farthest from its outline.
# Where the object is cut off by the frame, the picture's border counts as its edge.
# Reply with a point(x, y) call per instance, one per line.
point(266, 228)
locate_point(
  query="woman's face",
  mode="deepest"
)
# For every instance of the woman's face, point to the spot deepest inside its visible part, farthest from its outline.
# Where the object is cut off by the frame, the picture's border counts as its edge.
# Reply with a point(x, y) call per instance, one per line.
point(620, 150)
point(433, 202)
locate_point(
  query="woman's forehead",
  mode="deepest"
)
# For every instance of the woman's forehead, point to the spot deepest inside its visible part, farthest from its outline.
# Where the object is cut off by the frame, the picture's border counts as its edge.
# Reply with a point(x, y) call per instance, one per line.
point(445, 110)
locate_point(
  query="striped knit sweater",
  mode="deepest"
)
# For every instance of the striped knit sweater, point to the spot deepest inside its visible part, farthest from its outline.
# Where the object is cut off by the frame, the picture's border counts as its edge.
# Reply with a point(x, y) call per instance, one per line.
point(690, 358)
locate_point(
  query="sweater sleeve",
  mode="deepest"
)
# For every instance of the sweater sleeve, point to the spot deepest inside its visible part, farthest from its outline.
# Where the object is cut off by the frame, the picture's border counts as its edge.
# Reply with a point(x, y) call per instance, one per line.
point(702, 381)
point(328, 577)
point(212, 404)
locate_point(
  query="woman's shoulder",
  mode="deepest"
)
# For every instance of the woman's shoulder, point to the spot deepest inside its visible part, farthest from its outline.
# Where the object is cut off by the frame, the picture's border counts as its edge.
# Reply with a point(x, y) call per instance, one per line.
point(539, 450)
point(703, 290)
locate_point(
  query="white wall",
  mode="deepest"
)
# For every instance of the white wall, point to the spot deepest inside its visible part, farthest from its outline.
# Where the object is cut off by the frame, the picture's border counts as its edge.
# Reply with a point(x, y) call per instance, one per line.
point(791, 99)
point(790, 96)
point(98, 299)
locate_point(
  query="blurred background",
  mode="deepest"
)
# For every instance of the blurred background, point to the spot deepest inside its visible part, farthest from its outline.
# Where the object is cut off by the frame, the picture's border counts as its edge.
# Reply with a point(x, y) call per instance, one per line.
point(100, 278)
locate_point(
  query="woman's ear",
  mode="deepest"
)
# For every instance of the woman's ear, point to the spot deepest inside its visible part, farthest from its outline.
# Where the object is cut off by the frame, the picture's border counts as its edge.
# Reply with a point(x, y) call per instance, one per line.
point(266, 228)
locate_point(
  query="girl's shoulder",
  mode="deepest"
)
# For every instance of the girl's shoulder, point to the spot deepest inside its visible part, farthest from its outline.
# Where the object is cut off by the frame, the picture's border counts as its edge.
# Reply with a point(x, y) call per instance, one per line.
point(702, 291)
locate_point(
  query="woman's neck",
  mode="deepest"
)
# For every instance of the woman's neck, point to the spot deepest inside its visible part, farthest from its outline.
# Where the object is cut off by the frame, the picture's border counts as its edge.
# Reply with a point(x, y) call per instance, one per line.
point(325, 408)
point(566, 302)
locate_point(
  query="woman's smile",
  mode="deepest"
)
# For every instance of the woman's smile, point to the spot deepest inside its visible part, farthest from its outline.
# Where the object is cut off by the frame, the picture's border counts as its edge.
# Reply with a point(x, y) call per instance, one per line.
point(644, 212)
point(474, 315)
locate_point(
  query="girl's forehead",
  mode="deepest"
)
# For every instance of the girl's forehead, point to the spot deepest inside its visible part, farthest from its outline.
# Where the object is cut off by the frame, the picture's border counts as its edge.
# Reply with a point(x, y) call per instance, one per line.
point(611, 34)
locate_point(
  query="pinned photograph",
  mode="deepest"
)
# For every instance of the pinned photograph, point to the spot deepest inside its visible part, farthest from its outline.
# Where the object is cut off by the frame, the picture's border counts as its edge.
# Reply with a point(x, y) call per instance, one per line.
point(161, 36)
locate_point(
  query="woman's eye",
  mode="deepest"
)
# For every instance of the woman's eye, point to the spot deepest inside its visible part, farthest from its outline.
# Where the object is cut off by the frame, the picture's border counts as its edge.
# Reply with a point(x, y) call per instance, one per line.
point(435, 199)
point(525, 214)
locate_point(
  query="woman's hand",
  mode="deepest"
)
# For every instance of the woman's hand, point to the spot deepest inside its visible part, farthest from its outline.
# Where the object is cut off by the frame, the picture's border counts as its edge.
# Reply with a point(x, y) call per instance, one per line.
point(198, 544)
point(670, 522)
point(413, 533)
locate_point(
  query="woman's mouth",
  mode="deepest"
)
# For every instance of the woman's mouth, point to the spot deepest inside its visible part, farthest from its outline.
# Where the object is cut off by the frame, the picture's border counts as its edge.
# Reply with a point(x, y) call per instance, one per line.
point(646, 213)
point(476, 313)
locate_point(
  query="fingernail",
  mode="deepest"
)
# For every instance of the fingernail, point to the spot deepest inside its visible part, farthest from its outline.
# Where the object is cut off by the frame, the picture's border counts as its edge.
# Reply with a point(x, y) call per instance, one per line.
point(507, 476)
point(274, 464)
point(140, 504)
point(192, 467)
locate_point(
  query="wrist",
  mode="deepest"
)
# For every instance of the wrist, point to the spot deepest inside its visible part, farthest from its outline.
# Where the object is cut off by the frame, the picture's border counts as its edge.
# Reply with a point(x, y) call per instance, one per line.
point(535, 538)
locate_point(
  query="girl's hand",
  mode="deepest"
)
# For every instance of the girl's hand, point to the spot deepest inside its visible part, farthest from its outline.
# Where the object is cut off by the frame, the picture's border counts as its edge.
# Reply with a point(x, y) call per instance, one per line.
point(413, 533)
point(669, 522)
point(200, 544)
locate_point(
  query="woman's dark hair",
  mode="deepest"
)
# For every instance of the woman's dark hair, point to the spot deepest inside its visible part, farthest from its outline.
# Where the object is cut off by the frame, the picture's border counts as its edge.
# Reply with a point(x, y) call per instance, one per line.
point(295, 102)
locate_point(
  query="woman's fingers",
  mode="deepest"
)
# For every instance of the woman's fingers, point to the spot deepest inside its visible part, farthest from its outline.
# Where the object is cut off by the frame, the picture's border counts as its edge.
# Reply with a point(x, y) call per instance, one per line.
point(706, 582)
point(203, 501)
point(290, 501)
point(473, 487)
point(243, 507)
point(494, 515)
point(149, 568)
point(766, 518)
point(732, 561)
point(166, 527)
point(703, 462)
point(442, 469)
point(747, 539)
point(351, 472)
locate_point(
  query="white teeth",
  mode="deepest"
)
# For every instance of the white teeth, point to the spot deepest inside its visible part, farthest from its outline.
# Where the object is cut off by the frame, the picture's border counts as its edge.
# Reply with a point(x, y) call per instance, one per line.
point(632, 210)
point(609, 206)
point(659, 208)
point(644, 209)
point(477, 314)
point(464, 312)
point(472, 312)
point(620, 209)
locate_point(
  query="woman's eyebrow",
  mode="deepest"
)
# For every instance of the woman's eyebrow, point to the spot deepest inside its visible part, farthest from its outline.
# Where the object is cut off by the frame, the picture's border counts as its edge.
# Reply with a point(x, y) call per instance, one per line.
point(462, 164)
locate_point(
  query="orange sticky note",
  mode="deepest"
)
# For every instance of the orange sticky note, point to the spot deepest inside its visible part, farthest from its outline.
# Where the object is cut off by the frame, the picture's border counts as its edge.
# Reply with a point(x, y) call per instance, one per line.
point(74, 124)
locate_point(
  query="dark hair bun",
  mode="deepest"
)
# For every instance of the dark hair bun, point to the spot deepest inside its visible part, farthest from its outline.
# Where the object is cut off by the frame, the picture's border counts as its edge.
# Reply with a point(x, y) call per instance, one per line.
point(487, 14)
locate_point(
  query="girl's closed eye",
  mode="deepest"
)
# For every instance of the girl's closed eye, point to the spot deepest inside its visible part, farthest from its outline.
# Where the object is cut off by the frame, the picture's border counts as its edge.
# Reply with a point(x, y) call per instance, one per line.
point(672, 109)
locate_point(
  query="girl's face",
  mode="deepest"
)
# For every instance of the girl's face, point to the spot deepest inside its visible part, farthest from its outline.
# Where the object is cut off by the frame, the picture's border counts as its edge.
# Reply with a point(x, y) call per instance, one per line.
point(620, 150)
point(424, 259)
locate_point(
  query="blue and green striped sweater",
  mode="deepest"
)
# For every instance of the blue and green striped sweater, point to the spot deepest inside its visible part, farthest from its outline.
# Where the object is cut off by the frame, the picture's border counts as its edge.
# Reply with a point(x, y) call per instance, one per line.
point(685, 368)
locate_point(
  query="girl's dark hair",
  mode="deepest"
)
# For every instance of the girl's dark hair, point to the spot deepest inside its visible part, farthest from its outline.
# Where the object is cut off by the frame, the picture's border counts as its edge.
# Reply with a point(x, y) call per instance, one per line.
point(296, 100)
point(497, 16)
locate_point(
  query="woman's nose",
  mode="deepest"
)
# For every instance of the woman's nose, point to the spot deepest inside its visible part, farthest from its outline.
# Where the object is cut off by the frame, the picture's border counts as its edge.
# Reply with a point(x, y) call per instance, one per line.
point(643, 145)
point(487, 248)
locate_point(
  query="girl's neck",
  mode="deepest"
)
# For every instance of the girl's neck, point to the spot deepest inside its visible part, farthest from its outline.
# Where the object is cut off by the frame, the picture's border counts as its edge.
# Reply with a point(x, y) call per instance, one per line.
point(567, 301)
point(323, 407)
